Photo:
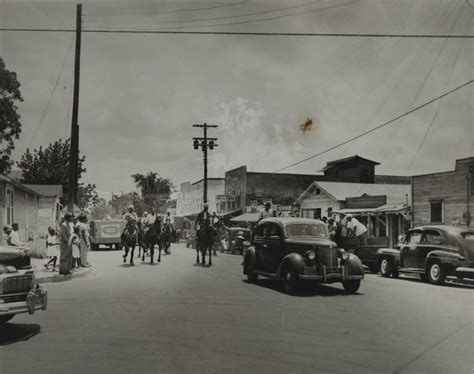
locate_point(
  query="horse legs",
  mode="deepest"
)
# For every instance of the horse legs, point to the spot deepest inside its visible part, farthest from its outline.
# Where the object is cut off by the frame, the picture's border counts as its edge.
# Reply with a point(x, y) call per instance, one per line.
point(126, 253)
point(210, 254)
point(159, 252)
point(131, 255)
point(152, 253)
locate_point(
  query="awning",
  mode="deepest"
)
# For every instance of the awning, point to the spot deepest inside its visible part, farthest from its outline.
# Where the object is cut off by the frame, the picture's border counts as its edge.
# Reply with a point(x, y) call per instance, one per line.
point(246, 217)
point(387, 208)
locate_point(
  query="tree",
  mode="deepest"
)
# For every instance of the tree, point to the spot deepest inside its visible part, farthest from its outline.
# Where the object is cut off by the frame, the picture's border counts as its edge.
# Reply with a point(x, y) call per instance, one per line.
point(120, 203)
point(101, 209)
point(155, 190)
point(10, 126)
point(51, 166)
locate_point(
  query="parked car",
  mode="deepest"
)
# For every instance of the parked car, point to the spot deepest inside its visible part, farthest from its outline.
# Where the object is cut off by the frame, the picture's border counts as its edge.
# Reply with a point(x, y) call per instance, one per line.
point(433, 252)
point(18, 291)
point(367, 253)
point(15, 256)
point(236, 237)
point(106, 232)
point(296, 249)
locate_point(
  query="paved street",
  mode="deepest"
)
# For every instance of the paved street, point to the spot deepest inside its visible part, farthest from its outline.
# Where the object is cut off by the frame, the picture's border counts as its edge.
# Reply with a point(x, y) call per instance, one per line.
point(178, 317)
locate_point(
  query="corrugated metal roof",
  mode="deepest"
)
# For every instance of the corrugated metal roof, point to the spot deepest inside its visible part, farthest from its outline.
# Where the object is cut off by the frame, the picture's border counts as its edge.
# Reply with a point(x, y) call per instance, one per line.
point(395, 193)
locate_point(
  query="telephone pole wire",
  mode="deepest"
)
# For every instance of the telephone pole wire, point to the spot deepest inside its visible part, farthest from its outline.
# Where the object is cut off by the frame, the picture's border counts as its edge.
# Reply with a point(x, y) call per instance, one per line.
point(205, 143)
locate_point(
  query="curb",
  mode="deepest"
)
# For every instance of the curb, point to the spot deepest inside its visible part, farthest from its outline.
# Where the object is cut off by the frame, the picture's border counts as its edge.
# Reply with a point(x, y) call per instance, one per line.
point(54, 278)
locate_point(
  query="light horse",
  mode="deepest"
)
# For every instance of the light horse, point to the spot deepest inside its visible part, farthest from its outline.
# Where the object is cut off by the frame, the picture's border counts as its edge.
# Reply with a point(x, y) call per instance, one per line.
point(129, 241)
point(204, 242)
point(153, 238)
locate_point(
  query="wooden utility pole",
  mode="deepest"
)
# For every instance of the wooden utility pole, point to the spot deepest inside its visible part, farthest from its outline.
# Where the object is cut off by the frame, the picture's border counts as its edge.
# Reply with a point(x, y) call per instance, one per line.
point(205, 143)
point(74, 153)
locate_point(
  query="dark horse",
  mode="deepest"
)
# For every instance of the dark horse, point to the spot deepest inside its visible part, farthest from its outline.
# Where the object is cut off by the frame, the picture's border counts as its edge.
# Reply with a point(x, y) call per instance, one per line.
point(141, 240)
point(204, 242)
point(166, 236)
point(153, 237)
point(129, 241)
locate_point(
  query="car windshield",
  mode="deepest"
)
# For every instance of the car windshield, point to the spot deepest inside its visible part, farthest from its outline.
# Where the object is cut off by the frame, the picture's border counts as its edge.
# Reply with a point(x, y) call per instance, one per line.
point(306, 229)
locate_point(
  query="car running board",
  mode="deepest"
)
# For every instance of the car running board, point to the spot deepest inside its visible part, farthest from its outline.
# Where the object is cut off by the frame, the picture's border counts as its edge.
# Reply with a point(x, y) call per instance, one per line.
point(265, 274)
point(411, 270)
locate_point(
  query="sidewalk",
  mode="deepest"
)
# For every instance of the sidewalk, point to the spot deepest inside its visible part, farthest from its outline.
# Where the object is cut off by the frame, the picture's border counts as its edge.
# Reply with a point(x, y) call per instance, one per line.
point(43, 275)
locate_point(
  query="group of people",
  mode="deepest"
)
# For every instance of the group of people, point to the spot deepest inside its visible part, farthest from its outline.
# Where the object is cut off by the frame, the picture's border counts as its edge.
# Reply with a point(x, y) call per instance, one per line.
point(148, 219)
point(345, 225)
point(11, 235)
point(72, 245)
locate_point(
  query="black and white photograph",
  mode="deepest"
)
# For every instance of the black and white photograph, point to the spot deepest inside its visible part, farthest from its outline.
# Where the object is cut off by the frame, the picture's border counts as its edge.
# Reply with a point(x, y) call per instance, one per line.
point(237, 186)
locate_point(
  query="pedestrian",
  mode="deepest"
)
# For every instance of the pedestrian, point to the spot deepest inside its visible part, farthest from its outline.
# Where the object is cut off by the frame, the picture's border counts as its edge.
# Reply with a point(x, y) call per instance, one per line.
point(325, 220)
point(52, 249)
point(84, 239)
point(14, 237)
point(76, 248)
point(332, 228)
point(357, 230)
point(266, 211)
point(65, 250)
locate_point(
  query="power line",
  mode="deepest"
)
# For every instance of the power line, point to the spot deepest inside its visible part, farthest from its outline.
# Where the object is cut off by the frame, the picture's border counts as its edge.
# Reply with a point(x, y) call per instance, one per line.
point(168, 11)
point(321, 34)
point(215, 18)
point(379, 126)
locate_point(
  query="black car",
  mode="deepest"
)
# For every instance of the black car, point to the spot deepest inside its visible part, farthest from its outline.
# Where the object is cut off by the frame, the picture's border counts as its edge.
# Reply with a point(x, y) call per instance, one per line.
point(237, 236)
point(431, 252)
point(296, 249)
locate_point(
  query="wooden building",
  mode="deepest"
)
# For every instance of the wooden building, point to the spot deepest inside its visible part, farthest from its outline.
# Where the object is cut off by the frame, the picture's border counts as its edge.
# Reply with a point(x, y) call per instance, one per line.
point(445, 197)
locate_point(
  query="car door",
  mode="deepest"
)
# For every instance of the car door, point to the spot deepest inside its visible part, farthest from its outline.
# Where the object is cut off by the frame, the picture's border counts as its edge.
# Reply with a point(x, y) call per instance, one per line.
point(259, 243)
point(408, 249)
point(274, 251)
point(430, 241)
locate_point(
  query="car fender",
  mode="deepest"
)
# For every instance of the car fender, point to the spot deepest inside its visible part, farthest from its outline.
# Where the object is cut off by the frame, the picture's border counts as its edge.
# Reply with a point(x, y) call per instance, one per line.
point(295, 260)
point(250, 256)
point(388, 252)
point(354, 265)
point(447, 258)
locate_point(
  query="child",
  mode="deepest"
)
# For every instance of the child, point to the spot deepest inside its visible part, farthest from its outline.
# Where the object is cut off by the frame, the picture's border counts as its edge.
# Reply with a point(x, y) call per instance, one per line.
point(52, 247)
point(75, 244)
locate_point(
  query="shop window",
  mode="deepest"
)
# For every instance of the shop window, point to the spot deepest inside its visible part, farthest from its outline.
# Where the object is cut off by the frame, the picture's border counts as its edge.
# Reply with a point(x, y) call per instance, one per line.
point(318, 191)
point(9, 206)
point(436, 211)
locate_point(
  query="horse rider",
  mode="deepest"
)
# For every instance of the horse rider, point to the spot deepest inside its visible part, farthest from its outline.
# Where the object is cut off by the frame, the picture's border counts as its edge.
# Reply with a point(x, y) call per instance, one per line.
point(131, 217)
point(203, 218)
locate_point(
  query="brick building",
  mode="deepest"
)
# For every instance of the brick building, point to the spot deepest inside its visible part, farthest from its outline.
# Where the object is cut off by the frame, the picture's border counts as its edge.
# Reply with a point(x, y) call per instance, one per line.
point(444, 197)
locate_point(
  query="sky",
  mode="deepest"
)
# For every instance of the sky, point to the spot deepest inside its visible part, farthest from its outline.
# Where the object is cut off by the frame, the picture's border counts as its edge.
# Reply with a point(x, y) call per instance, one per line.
point(140, 94)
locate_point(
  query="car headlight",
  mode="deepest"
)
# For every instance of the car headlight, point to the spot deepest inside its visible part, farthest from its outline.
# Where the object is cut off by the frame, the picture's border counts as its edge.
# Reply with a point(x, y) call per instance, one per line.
point(311, 255)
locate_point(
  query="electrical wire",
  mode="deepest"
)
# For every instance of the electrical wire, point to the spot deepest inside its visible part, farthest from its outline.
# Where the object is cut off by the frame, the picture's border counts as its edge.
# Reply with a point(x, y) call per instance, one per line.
point(169, 11)
point(213, 18)
point(379, 126)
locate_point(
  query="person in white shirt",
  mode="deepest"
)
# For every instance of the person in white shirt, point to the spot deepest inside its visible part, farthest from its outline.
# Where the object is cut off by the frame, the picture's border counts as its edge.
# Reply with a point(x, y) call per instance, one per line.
point(14, 236)
point(357, 230)
point(266, 212)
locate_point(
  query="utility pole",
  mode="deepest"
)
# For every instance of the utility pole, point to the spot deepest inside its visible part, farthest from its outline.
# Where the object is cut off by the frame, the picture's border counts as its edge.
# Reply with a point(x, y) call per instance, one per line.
point(205, 143)
point(74, 150)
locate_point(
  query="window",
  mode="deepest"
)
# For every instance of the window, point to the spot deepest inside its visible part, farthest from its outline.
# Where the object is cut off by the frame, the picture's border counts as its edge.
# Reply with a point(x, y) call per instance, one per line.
point(9, 217)
point(432, 237)
point(307, 213)
point(317, 213)
point(262, 231)
point(414, 237)
point(275, 232)
point(318, 191)
point(329, 211)
point(436, 211)
point(238, 191)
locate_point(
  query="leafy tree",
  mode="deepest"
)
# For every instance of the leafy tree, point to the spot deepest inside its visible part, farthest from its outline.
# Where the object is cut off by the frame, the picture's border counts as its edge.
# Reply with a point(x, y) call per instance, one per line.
point(155, 190)
point(101, 209)
point(10, 126)
point(50, 165)
point(120, 202)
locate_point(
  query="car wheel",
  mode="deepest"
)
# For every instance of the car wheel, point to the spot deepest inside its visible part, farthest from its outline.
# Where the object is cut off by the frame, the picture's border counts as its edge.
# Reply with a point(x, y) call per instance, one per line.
point(436, 273)
point(5, 319)
point(385, 268)
point(351, 286)
point(252, 276)
point(289, 279)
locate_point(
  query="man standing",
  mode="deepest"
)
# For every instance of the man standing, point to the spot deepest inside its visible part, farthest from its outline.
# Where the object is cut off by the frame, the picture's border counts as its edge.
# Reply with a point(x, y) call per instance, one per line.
point(84, 240)
point(266, 211)
point(357, 230)
point(65, 250)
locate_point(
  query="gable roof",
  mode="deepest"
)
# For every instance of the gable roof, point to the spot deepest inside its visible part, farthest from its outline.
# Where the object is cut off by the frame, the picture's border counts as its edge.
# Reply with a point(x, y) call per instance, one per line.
point(334, 163)
point(395, 193)
point(15, 183)
point(48, 190)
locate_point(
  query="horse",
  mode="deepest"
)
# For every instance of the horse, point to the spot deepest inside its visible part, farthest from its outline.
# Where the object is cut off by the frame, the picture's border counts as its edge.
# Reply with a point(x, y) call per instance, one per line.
point(166, 236)
point(204, 243)
point(141, 240)
point(153, 237)
point(129, 241)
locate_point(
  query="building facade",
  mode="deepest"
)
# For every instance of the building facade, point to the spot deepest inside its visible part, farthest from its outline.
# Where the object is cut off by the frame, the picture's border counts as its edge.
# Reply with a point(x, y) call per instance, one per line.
point(445, 197)
point(190, 201)
point(49, 206)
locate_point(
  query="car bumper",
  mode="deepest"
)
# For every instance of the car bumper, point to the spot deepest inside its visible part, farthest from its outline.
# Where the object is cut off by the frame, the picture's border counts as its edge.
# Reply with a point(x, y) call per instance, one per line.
point(329, 275)
point(37, 299)
point(464, 272)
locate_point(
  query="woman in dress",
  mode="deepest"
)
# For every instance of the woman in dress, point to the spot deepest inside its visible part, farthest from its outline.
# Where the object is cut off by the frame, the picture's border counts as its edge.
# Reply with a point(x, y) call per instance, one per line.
point(52, 249)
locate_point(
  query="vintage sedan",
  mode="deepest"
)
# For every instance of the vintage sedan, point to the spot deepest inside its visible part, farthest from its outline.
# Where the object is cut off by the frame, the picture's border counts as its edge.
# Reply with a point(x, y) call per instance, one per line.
point(18, 291)
point(237, 236)
point(432, 252)
point(296, 249)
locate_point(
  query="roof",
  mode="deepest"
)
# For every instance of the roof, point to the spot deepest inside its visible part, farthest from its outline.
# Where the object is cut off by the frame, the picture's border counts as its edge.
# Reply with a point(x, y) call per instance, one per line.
point(331, 164)
point(387, 208)
point(246, 217)
point(209, 179)
point(340, 191)
point(49, 190)
point(15, 183)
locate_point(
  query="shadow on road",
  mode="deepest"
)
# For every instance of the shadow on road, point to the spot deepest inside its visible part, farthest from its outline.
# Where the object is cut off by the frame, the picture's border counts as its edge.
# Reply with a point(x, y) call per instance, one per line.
point(305, 289)
point(12, 333)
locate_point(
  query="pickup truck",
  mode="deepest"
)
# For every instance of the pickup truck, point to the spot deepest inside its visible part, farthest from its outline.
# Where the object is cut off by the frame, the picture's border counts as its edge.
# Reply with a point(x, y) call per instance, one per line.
point(106, 232)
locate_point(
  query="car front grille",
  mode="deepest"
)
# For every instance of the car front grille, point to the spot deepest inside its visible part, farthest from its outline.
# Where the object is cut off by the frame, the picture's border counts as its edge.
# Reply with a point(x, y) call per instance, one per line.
point(21, 283)
point(328, 257)
point(14, 298)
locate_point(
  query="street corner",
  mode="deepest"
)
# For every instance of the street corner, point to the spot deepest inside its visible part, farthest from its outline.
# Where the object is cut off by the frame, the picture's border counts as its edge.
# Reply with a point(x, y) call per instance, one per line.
point(47, 276)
